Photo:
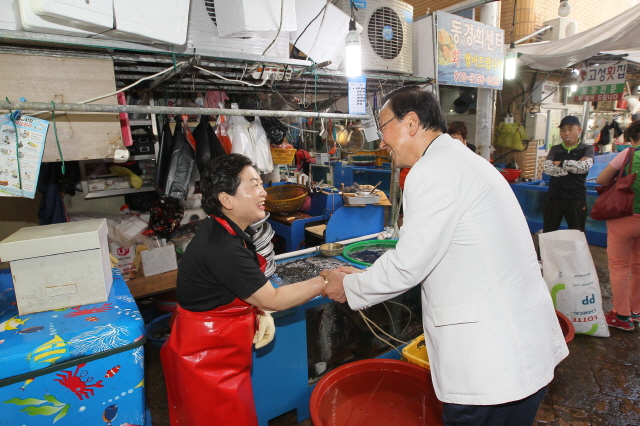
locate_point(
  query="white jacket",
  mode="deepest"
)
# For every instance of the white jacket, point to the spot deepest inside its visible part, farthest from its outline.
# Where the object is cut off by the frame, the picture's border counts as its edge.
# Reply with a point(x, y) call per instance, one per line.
point(490, 327)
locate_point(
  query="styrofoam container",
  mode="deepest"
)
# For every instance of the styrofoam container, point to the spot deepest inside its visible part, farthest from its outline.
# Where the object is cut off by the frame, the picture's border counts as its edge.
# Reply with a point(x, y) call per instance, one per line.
point(31, 21)
point(243, 18)
point(97, 13)
point(159, 260)
point(59, 266)
point(323, 39)
point(160, 20)
point(202, 35)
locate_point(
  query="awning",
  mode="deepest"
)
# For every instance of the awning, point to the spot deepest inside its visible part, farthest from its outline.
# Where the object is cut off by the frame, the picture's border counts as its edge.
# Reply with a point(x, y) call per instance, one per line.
point(621, 33)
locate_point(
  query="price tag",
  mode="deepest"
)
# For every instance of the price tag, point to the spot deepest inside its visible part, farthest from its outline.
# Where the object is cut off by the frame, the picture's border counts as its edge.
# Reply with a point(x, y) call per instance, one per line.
point(358, 95)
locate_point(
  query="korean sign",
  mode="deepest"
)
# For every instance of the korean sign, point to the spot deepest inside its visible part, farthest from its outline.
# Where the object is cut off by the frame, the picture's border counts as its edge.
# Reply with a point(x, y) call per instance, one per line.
point(601, 83)
point(358, 95)
point(469, 53)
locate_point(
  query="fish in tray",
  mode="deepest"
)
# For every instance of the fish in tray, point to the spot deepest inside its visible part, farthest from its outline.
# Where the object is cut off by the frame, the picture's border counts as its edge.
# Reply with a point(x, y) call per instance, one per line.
point(303, 269)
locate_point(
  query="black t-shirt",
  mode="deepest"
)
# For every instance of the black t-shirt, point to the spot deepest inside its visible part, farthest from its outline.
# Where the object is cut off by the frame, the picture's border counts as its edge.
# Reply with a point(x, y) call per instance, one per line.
point(572, 186)
point(217, 267)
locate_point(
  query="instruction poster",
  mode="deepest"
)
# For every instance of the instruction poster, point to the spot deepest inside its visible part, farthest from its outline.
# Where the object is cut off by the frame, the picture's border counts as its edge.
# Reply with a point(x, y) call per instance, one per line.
point(21, 154)
point(470, 53)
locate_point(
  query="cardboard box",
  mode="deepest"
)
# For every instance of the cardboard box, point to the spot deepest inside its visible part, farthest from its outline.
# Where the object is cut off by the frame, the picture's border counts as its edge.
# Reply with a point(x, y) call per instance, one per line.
point(59, 266)
point(159, 260)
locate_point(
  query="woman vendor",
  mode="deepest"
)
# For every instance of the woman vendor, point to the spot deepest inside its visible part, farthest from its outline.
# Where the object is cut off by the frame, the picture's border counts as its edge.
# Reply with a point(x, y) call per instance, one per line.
point(222, 295)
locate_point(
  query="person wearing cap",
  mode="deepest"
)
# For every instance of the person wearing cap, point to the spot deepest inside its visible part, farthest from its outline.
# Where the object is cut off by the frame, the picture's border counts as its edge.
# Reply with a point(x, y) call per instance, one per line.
point(568, 164)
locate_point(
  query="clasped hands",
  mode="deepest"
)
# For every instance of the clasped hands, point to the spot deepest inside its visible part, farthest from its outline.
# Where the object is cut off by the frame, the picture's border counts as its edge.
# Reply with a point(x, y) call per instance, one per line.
point(334, 287)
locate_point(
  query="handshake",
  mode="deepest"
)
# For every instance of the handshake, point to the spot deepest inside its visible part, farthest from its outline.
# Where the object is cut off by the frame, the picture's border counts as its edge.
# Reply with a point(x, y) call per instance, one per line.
point(334, 285)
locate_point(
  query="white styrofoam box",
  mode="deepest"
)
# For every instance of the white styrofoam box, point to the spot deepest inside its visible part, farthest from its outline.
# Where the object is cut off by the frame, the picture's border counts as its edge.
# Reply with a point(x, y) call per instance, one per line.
point(323, 39)
point(159, 20)
point(96, 13)
point(202, 35)
point(32, 22)
point(241, 18)
point(322, 158)
point(59, 266)
point(159, 260)
point(10, 16)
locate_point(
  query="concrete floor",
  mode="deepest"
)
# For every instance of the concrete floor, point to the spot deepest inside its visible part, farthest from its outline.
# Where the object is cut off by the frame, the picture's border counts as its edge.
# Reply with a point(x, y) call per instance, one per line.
point(597, 385)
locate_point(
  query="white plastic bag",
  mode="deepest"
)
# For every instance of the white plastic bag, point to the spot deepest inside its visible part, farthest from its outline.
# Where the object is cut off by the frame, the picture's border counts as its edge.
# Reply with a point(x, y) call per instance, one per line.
point(573, 282)
point(240, 140)
point(261, 146)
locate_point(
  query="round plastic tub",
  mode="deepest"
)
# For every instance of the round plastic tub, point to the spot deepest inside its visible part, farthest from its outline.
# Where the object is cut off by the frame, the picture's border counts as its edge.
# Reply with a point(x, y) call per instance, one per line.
point(511, 174)
point(568, 330)
point(351, 249)
point(376, 392)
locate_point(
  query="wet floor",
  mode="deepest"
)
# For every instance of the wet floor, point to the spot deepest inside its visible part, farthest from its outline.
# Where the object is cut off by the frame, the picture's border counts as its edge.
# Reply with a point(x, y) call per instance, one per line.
point(597, 385)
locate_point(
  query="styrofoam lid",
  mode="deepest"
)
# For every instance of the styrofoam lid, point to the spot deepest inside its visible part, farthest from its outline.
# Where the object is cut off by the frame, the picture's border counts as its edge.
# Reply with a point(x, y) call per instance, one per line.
point(37, 241)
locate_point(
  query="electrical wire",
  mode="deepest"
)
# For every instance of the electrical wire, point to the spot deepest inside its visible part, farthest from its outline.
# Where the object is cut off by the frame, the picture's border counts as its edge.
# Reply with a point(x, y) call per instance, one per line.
point(264, 80)
point(279, 27)
point(368, 321)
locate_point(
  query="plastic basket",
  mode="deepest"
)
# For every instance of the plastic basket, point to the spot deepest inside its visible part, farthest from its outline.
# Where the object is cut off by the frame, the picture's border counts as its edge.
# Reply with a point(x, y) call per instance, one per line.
point(416, 352)
point(285, 198)
point(351, 248)
point(156, 330)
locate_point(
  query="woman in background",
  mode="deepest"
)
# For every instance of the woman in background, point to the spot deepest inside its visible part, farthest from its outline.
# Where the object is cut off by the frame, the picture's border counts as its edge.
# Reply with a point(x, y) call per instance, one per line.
point(458, 130)
point(623, 241)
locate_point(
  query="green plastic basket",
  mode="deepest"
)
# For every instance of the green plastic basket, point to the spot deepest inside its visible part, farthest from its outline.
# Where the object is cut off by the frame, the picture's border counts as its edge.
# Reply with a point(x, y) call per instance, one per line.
point(366, 244)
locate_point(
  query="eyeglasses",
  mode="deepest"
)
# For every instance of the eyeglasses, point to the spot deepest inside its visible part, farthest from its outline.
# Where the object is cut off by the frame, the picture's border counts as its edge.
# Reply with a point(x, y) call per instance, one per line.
point(385, 123)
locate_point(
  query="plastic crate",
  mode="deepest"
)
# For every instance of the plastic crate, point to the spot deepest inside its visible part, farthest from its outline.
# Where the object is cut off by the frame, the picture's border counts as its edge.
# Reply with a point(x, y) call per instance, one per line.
point(416, 352)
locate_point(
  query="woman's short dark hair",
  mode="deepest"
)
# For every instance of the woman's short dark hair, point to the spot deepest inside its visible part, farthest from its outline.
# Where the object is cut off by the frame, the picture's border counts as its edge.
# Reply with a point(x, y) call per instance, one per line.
point(424, 103)
point(632, 132)
point(221, 174)
point(458, 127)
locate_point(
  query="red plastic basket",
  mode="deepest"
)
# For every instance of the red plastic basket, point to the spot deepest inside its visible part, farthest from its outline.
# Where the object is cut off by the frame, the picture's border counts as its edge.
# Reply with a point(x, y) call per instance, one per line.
point(511, 174)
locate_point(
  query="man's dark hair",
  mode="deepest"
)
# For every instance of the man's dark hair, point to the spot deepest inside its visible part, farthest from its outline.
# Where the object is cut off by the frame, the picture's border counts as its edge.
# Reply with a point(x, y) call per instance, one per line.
point(221, 174)
point(414, 98)
point(632, 132)
point(458, 127)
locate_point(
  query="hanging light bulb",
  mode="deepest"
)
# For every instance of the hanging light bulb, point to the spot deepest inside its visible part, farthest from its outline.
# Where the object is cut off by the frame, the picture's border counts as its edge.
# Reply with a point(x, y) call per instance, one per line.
point(510, 62)
point(564, 8)
point(353, 53)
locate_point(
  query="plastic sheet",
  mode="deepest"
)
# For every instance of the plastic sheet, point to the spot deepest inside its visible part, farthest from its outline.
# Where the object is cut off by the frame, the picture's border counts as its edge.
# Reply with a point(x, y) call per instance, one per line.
point(164, 154)
point(207, 144)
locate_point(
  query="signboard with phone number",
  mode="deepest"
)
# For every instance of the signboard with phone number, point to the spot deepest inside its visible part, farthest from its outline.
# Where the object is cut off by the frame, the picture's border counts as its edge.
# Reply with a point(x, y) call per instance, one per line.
point(469, 53)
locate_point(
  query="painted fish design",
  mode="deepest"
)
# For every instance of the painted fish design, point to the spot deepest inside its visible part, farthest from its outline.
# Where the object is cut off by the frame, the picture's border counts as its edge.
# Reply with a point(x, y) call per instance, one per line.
point(12, 324)
point(30, 330)
point(112, 372)
point(110, 414)
point(50, 352)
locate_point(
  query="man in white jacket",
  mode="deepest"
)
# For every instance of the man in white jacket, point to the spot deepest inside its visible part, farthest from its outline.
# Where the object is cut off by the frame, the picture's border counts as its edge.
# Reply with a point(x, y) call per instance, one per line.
point(490, 327)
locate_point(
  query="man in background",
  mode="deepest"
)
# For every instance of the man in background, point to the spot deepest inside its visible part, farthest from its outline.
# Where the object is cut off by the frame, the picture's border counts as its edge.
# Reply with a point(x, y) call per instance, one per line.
point(568, 164)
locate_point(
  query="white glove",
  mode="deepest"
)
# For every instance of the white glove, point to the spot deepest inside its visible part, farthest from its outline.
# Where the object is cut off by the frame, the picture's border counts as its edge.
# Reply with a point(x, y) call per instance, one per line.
point(266, 330)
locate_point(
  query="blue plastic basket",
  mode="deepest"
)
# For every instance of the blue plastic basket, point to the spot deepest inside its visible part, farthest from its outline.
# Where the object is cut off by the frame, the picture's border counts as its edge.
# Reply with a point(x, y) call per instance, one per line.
point(156, 330)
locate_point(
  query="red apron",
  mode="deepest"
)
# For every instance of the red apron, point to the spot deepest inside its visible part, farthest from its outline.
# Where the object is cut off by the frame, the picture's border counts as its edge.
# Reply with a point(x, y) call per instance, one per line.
point(207, 364)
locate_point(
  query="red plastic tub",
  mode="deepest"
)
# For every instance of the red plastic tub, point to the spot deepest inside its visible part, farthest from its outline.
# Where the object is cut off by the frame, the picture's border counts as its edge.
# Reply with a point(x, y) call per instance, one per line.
point(511, 174)
point(568, 330)
point(375, 392)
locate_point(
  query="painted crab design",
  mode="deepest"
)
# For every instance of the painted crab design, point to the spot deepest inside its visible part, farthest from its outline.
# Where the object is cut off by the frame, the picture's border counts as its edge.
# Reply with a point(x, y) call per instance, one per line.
point(74, 382)
point(77, 310)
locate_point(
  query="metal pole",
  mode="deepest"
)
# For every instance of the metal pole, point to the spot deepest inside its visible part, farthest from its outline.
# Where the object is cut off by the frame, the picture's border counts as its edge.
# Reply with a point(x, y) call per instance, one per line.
point(485, 101)
point(48, 106)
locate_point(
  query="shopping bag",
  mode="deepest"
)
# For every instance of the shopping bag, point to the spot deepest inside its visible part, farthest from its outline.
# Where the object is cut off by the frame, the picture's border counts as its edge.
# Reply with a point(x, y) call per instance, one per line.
point(616, 199)
point(571, 276)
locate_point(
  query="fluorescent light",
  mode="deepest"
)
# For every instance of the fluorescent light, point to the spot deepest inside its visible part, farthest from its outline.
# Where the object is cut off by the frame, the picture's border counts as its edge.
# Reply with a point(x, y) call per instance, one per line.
point(510, 63)
point(353, 54)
